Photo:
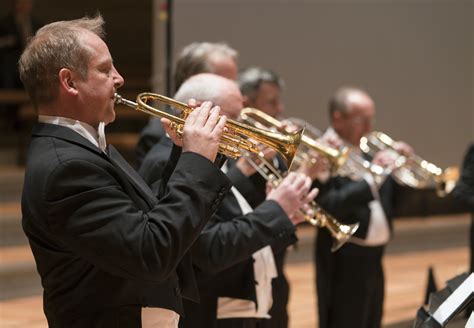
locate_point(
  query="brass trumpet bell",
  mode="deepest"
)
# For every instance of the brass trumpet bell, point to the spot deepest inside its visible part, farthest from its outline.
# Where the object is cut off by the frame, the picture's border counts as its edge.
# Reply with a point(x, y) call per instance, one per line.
point(339, 232)
point(412, 171)
point(236, 138)
point(257, 118)
point(446, 181)
point(319, 218)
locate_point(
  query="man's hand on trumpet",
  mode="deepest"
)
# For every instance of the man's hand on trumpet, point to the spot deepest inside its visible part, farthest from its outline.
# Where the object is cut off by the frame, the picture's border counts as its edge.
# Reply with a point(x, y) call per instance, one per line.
point(246, 168)
point(390, 158)
point(293, 194)
point(201, 132)
point(404, 149)
point(314, 165)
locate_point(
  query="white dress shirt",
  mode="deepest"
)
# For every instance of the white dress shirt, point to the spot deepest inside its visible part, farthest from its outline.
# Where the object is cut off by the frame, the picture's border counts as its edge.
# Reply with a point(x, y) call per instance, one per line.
point(96, 137)
point(264, 271)
point(378, 232)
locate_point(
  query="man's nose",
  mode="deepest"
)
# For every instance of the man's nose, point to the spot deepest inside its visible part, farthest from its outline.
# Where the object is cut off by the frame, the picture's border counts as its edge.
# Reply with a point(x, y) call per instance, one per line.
point(118, 79)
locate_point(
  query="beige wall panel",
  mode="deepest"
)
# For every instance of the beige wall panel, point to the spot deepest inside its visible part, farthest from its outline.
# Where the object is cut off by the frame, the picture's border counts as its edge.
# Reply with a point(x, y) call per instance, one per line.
point(414, 57)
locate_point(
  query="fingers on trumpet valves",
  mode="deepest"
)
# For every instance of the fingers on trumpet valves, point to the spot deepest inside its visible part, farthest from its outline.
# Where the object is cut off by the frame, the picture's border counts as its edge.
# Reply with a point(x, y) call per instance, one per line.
point(316, 166)
point(386, 158)
point(173, 130)
point(308, 211)
point(213, 117)
point(202, 131)
point(201, 114)
point(192, 103)
point(309, 197)
point(301, 184)
point(403, 148)
point(299, 217)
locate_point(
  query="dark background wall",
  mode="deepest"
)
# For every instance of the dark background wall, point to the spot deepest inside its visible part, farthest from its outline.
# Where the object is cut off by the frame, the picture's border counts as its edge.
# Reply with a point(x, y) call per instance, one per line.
point(127, 26)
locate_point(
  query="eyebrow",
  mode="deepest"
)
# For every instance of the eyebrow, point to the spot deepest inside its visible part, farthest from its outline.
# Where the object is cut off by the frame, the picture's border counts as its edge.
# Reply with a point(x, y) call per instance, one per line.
point(105, 62)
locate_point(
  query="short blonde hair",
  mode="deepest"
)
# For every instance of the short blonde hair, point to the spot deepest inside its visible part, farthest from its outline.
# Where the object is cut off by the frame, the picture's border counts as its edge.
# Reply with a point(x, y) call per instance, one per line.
point(55, 46)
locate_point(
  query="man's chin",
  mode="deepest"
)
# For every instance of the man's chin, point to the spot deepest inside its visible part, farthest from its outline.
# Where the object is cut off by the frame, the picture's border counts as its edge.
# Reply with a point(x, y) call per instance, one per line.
point(110, 119)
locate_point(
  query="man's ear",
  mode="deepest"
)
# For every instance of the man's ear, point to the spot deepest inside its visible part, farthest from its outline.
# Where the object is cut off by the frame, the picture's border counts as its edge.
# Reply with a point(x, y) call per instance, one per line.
point(336, 116)
point(245, 101)
point(66, 81)
point(336, 119)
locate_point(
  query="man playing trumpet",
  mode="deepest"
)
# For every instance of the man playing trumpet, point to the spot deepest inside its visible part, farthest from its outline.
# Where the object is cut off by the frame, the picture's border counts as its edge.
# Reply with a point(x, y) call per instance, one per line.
point(105, 246)
point(233, 259)
point(350, 282)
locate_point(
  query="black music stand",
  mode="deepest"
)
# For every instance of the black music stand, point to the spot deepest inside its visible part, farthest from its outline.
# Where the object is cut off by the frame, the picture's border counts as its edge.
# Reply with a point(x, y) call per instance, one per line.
point(447, 303)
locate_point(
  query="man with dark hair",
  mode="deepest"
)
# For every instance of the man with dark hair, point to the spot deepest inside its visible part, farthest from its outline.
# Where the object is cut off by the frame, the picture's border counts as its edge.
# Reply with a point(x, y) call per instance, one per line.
point(108, 249)
point(262, 89)
point(350, 281)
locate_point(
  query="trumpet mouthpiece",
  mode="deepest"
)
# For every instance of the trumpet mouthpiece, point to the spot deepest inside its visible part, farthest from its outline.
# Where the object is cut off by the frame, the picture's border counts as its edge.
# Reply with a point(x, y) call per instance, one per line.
point(117, 98)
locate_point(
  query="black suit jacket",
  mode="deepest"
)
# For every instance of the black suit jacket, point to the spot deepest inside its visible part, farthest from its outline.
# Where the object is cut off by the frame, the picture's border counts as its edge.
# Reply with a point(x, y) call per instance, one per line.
point(464, 192)
point(222, 255)
point(104, 245)
point(152, 134)
point(348, 201)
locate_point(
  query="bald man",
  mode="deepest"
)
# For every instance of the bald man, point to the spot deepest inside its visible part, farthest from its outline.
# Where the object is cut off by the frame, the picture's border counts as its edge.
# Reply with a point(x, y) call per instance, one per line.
point(233, 259)
point(350, 282)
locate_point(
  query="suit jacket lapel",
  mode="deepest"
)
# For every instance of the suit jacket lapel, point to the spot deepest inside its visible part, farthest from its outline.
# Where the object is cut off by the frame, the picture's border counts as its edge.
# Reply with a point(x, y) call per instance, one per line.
point(61, 132)
point(135, 179)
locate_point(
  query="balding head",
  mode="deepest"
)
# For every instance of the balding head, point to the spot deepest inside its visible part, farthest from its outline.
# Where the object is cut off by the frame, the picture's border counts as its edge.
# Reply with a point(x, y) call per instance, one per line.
point(344, 99)
point(352, 113)
point(211, 87)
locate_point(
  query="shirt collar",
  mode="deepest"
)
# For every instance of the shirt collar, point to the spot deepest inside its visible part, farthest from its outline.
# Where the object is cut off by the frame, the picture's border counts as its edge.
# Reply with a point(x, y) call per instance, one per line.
point(96, 137)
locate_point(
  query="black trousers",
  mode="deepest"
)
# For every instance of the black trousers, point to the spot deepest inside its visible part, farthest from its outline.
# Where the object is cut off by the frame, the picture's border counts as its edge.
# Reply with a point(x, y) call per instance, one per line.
point(238, 323)
point(471, 239)
point(280, 294)
point(278, 311)
point(470, 307)
point(350, 287)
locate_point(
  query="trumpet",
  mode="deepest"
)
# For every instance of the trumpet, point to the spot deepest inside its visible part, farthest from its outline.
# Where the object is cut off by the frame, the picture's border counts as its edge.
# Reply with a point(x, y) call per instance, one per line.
point(340, 232)
point(357, 166)
point(413, 170)
point(235, 139)
point(336, 158)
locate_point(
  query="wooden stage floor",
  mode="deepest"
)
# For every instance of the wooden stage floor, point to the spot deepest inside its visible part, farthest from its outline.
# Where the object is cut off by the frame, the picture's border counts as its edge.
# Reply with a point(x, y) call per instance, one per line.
point(440, 242)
